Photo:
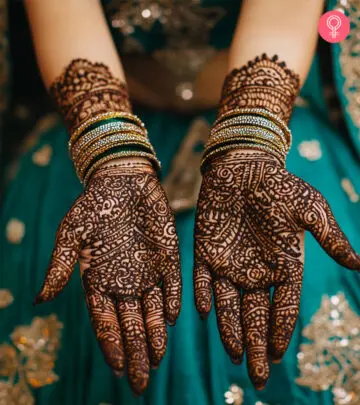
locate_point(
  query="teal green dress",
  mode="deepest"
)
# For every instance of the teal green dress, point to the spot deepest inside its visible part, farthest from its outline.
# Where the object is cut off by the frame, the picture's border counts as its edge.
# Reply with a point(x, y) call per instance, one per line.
point(49, 354)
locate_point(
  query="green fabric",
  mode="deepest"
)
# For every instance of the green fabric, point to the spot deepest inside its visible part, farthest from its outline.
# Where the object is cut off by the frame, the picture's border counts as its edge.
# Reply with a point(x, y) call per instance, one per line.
point(196, 369)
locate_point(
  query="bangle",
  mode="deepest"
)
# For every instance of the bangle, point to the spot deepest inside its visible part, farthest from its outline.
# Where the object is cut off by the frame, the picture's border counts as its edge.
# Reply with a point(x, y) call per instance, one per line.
point(113, 127)
point(101, 117)
point(115, 155)
point(238, 146)
point(246, 131)
point(82, 166)
point(257, 112)
point(250, 121)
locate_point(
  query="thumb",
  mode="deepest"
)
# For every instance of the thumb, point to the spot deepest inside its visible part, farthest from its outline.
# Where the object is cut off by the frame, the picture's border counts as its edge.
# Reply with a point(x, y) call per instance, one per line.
point(320, 221)
point(63, 259)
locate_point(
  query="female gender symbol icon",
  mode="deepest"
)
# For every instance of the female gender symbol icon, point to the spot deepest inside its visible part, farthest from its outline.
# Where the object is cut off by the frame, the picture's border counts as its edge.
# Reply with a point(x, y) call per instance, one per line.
point(338, 24)
point(333, 27)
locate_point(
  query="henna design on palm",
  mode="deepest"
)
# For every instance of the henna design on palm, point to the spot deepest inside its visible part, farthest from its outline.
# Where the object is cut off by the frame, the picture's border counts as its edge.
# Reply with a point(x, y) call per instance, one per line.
point(249, 237)
point(123, 232)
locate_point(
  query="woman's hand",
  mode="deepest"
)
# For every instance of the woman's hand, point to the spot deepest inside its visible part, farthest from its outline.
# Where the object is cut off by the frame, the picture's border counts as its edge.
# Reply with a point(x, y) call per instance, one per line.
point(249, 236)
point(122, 231)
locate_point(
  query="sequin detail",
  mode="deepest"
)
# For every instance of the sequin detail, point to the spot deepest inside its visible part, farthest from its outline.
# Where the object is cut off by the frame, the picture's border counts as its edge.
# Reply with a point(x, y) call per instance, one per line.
point(331, 359)
point(42, 156)
point(15, 231)
point(28, 361)
point(6, 298)
point(310, 150)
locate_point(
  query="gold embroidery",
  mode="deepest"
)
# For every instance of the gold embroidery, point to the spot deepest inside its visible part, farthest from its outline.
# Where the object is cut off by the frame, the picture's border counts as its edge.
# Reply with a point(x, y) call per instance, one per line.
point(42, 156)
point(235, 395)
point(4, 68)
point(310, 150)
point(350, 59)
point(6, 298)
point(29, 361)
point(182, 185)
point(349, 189)
point(332, 357)
point(15, 231)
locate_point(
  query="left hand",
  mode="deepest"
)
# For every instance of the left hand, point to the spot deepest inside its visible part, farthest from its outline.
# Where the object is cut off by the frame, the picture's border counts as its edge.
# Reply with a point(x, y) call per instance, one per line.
point(249, 236)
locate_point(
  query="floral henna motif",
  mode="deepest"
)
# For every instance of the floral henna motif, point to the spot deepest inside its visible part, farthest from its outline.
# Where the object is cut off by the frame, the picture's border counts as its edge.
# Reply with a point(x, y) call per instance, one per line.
point(123, 231)
point(249, 237)
point(86, 89)
point(262, 83)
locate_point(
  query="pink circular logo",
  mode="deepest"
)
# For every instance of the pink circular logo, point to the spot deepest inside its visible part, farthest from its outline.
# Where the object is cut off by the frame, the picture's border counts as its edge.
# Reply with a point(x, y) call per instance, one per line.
point(334, 26)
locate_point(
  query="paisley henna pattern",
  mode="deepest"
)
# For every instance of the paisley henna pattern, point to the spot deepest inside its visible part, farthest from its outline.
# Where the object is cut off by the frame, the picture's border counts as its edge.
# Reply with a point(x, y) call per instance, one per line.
point(249, 234)
point(262, 83)
point(123, 232)
point(86, 89)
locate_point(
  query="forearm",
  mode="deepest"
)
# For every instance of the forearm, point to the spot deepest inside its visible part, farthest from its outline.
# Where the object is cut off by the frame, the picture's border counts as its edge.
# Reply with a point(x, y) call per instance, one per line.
point(81, 68)
point(70, 29)
point(277, 27)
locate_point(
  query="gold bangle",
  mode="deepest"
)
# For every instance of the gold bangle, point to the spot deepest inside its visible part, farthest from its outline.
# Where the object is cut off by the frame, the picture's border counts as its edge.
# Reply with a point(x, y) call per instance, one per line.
point(239, 146)
point(75, 134)
point(239, 141)
point(109, 140)
point(249, 121)
point(246, 138)
point(257, 111)
point(87, 146)
point(109, 128)
point(82, 165)
point(80, 146)
point(256, 133)
point(116, 155)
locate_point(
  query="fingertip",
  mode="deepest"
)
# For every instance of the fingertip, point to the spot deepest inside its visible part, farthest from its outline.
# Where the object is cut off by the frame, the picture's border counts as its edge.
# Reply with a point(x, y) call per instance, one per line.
point(138, 382)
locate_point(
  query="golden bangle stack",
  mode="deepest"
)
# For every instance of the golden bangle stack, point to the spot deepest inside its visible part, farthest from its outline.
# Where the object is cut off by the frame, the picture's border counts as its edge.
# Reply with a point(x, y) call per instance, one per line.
point(250, 128)
point(106, 137)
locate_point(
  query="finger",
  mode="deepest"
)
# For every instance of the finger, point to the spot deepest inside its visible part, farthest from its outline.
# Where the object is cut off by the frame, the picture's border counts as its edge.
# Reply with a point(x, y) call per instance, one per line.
point(202, 289)
point(320, 221)
point(153, 307)
point(135, 345)
point(172, 293)
point(255, 311)
point(63, 259)
point(227, 304)
point(284, 314)
point(106, 326)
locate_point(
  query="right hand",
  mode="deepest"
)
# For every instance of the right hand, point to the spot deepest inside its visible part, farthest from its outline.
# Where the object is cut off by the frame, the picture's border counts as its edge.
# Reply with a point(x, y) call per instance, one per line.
point(122, 231)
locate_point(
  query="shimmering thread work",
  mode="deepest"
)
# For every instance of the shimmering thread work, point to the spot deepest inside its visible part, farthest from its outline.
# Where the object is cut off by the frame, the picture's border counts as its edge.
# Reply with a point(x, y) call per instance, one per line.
point(86, 89)
point(27, 362)
point(123, 232)
point(331, 357)
point(249, 231)
point(262, 83)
